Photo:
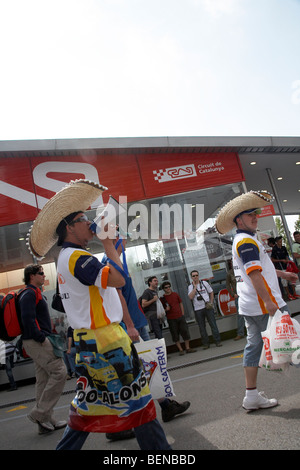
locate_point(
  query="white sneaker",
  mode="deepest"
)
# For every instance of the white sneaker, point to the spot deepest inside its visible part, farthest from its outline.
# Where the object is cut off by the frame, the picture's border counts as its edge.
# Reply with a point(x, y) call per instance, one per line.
point(46, 425)
point(260, 401)
point(59, 424)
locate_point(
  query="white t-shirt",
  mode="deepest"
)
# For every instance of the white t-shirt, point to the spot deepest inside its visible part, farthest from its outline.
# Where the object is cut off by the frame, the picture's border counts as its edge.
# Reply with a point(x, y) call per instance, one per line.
point(88, 301)
point(249, 254)
point(204, 289)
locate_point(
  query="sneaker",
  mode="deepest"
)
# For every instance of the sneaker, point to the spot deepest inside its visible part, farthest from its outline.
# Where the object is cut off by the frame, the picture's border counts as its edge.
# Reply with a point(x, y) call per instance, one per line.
point(174, 409)
point(260, 401)
point(238, 337)
point(120, 436)
point(181, 353)
point(42, 430)
point(46, 425)
point(291, 297)
point(191, 350)
point(59, 424)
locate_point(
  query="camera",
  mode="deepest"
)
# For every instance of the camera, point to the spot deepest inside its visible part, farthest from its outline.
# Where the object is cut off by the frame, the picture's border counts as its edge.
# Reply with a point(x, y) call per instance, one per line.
point(199, 297)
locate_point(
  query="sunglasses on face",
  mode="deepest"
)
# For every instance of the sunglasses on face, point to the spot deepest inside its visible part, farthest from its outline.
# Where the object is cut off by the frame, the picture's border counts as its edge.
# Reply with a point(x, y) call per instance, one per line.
point(167, 287)
point(195, 275)
point(82, 218)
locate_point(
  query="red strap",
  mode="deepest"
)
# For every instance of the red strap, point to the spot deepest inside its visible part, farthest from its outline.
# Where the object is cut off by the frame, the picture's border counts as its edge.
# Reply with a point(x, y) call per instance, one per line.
point(38, 297)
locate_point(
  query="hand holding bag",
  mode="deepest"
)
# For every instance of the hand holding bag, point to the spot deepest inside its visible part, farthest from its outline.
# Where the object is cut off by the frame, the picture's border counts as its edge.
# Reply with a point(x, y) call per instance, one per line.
point(153, 355)
point(266, 358)
point(284, 337)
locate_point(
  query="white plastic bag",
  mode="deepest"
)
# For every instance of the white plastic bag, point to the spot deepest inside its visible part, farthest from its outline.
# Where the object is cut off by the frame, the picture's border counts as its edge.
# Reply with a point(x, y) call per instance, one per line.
point(284, 337)
point(266, 358)
point(160, 311)
point(153, 354)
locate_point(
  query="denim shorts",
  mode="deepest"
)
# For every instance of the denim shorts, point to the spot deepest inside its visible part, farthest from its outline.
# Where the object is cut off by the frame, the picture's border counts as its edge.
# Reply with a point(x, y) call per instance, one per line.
point(255, 326)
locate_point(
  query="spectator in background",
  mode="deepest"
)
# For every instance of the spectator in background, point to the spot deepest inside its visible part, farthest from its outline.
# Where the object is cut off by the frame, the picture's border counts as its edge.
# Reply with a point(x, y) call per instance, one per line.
point(202, 297)
point(7, 353)
point(280, 258)
point(149, 305)
point(296, 247)
point(175, 315)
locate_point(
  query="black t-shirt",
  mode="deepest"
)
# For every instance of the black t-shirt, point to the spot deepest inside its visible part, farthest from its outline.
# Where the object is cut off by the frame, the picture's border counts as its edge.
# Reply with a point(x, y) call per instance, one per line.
point(279, 253)
point(151, 309)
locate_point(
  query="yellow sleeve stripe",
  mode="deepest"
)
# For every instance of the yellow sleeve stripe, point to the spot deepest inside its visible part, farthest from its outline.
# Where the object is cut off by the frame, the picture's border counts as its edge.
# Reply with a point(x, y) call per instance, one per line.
point(246, 241)
point(73, 259)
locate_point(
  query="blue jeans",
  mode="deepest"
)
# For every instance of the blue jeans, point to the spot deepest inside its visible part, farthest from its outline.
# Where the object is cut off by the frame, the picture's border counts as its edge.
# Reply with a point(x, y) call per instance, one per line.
point(240, 325)
point(150, 436)
point(144, 334)
point(70, 360)
point(208, 314)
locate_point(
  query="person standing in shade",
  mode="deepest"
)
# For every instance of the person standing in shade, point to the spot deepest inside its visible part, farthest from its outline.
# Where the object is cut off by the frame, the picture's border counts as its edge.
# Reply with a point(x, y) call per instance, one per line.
point(149, 299)
point(280, 258)
point(175, 315)
point(296, 248)
point(202, 297)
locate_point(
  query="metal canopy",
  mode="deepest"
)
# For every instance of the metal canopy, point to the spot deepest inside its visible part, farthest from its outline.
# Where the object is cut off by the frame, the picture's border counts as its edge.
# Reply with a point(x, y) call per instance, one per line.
point(279, 154)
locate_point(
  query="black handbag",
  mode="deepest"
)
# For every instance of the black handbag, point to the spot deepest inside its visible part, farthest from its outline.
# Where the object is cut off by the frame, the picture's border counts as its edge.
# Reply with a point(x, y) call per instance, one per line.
point(56, 301)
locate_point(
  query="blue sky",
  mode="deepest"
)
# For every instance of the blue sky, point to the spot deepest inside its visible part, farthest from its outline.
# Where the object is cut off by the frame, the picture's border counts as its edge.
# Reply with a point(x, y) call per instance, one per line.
point(120, 68)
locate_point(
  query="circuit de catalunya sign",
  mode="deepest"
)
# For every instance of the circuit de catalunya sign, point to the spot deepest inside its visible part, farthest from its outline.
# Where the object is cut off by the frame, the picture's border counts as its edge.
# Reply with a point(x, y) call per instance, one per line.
point(27, 183)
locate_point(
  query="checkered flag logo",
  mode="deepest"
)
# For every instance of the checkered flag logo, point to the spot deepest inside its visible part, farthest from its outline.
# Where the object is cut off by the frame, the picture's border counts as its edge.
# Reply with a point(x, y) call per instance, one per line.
point(158, 174)
point(174, 173)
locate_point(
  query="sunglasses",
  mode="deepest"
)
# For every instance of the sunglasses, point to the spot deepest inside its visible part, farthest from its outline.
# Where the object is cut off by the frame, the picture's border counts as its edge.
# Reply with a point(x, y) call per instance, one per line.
point(82, 218)
point(41, 273)
point(167, 287)
point(195, 275)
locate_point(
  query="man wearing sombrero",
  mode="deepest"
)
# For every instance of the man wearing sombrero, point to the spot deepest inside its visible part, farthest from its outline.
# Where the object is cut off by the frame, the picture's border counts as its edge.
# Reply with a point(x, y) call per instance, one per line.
point(257, 284)
point(112, 390)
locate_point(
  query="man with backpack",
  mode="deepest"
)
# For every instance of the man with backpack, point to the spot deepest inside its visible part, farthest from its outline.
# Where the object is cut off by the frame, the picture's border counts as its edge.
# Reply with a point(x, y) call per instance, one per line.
point(50, 370)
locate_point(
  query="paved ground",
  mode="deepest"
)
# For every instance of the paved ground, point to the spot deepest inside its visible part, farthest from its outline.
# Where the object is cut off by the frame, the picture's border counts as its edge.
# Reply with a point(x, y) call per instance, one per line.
point(212, 381)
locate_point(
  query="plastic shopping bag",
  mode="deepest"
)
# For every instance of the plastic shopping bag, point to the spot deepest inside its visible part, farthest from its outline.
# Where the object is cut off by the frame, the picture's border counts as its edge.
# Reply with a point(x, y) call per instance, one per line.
point(160, 311)
point(284, 337)
point(266, 358)
point(153, 355)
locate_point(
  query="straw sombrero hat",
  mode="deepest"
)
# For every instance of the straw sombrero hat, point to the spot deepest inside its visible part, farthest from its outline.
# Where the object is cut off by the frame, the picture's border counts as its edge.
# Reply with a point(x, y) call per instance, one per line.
point(77, 196)
point(244, 202)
